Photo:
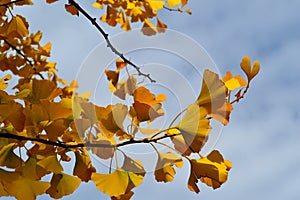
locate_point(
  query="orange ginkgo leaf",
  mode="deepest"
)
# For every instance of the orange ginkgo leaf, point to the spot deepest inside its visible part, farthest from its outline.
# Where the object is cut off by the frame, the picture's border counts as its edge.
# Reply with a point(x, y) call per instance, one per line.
point(233, 83)
point(72, 9)
point(51, 1)
point(194, 128)
point(13, 112)
point(83, 167)
point(62, 184)
point(211, 170)
point(250, 72)
point(112, 76)
point(146, 105)
point(120, 64)
point(164, 170)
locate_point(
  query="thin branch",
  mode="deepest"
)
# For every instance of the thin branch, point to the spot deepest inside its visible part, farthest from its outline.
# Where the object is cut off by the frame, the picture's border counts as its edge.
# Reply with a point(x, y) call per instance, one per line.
point(87, 144)
point(172, 9)
point(11, 2)
point(241, 96)
point(108, 42)
point(23, 55)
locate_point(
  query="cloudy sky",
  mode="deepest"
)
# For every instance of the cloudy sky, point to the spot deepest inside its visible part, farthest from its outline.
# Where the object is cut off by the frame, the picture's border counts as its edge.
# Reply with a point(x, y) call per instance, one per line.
point(263, 138)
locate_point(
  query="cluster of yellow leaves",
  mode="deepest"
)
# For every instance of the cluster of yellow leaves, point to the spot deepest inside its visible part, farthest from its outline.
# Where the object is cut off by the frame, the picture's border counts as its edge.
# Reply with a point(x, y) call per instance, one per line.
point(125, 12)
point(48, 120)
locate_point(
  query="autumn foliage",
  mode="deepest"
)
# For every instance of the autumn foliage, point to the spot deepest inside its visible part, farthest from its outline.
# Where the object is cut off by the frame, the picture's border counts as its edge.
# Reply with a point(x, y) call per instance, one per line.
point(44, 122)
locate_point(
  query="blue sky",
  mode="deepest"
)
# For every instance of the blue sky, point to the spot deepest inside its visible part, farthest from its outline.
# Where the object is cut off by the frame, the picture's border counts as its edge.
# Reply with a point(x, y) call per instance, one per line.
point(262, 139)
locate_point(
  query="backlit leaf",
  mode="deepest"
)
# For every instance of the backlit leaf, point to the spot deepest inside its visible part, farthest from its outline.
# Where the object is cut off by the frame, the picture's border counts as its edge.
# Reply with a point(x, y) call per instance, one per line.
point(194, 127)
point(62, 184)
point(172, 3)
point(123, 180)
point(211, 170)
point(164, 170)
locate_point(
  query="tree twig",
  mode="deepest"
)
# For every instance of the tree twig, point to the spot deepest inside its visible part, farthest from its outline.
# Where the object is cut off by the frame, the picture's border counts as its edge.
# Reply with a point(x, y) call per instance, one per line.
point(87, 144)
point(11, 2)
point(23, 55)
point(108, 42)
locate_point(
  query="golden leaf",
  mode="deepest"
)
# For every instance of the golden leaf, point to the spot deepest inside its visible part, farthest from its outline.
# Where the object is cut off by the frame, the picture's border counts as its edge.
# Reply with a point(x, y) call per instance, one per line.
point(233, 83)
point(62, 184)
point(123, 180)
point(50, 164)
point(246, 67)
point(211, 170)
point(18, 26)
point(164, 170)
point(194, 128)
point(13, 112)
point(25, 188)
point(3, 84)
point(172, 3)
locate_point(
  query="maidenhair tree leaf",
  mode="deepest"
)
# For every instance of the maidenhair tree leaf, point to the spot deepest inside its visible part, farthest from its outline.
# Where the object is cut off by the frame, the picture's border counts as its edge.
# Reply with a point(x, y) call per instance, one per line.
point(123, 181)
point(211, 170)
point(83, 167)
point(164, 170)
point(62, 184)
point(194, 128)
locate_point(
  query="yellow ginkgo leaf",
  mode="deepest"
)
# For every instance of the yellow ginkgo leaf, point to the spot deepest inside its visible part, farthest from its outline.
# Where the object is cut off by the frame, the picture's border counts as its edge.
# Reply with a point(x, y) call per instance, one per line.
point(3, 84)
point(62, 184)
point(25, 188)
point(156, 4)
point(211, 170)
point(233, 83)
point(194, 127)
point(213, 92)
point(123, 181)
point(172, 3)
point(18, 26)
point(164, 170)
point(31, 170)
point(50, 164)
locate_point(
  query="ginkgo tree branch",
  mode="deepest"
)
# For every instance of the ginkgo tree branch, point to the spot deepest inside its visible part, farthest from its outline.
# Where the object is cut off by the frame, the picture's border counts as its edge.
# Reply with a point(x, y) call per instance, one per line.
point(108, 42)
point(4, 134)
point(11, 2)
point(18, 51)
